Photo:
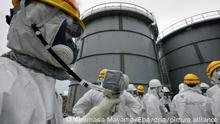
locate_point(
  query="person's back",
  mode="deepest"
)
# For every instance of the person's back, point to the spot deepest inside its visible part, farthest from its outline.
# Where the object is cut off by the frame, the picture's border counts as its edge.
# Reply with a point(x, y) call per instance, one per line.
point(190, 104)
point(151, 104)
point(153, 108)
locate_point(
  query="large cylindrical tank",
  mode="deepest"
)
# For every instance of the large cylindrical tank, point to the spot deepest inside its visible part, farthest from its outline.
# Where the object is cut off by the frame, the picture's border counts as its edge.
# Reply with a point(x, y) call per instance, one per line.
point(188, 46)
point(118, 36)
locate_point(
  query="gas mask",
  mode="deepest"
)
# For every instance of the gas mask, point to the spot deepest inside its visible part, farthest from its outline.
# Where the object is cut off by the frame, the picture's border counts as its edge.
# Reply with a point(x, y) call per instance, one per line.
point(114, 82)
point(216, 76)
point(63, 44)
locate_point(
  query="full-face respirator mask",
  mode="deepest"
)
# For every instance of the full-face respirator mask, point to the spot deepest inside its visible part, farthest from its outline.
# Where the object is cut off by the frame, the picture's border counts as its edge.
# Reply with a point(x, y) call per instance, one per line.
point(63, 44)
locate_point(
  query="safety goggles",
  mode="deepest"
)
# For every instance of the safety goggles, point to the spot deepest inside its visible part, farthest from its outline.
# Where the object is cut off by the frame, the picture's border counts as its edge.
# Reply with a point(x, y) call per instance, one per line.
point(73, 28)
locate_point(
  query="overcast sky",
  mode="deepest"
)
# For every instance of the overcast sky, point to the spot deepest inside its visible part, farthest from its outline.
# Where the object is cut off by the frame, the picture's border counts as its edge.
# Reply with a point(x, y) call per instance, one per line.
point(166, 12)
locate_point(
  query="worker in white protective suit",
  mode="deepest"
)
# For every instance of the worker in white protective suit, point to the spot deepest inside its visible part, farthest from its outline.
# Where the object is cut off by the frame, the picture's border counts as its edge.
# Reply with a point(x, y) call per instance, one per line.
point(140, 94)
point(204, 87)
point(132, 90)
point(128, 108)
point(213, 73)
point(190, 105)
point(28, 72)
point(151, 101)
point(173, 113)
point(166, 99)
point(181, 89)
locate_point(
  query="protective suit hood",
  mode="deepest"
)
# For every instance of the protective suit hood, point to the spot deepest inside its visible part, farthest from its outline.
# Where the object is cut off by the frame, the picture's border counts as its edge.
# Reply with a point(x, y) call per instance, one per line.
point(21, 37)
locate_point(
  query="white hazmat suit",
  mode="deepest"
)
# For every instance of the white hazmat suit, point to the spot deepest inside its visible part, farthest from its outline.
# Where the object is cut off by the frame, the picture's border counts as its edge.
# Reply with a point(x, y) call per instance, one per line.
point(151, 102)
point(191, 105)
point(215, 79)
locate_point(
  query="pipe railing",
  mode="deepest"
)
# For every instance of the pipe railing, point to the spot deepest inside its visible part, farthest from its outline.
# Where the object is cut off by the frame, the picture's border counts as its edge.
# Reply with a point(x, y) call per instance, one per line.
point(117, 5)
point(188, 21)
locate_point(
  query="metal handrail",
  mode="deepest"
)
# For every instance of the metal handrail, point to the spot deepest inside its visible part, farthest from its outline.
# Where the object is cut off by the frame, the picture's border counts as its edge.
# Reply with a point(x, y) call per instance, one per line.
point(121, 5)
point(188, 21)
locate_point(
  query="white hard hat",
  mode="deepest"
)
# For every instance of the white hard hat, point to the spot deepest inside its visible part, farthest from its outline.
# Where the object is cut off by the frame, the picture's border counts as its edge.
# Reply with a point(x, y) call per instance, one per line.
point(204, 85)
point(165, 89)
point(154, 83)
point(131, 87)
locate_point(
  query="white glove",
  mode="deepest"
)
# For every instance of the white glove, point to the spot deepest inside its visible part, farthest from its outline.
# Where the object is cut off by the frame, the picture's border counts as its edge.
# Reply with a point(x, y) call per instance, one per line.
point(103, 110)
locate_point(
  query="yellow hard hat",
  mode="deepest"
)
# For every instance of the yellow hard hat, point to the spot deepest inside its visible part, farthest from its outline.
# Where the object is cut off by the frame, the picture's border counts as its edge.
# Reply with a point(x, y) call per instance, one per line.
point(211, 67)
point(191, 79)
point(102, 73)
point(68, 6)
point(140, 88)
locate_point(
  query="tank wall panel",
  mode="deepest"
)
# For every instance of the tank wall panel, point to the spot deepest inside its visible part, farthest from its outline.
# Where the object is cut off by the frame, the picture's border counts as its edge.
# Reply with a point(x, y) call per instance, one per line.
point(190, 36)
point(101, 24)
point(89, 68)
point(182, 57)
point(133, 24)
point(140, 69)
point(127, 42)
point(210, 50)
